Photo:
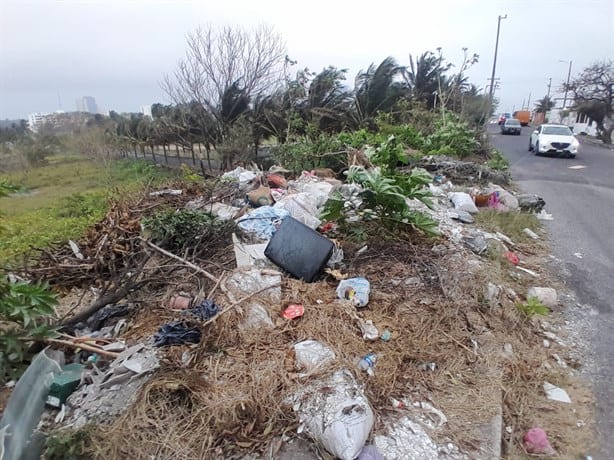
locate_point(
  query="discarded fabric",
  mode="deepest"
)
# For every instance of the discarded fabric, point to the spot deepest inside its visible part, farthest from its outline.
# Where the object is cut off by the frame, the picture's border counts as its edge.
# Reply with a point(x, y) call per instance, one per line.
point(176, 333)
point(354, 289)
point(204, 310)
point(462, 202)
point(262, 222)
point(535, 441)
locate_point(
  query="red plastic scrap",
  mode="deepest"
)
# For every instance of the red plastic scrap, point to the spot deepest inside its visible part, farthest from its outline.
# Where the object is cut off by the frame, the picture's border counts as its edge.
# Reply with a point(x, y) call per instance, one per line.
point(512, 257)
point(293, 311)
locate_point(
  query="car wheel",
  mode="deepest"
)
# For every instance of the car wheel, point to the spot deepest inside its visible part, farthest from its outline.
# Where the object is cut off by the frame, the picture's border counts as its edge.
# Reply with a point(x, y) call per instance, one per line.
point(530, 146)
point(572, 155)
point(536, 148)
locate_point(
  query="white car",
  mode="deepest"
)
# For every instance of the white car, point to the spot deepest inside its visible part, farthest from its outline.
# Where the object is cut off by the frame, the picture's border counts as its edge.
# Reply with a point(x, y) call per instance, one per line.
point(554, 140)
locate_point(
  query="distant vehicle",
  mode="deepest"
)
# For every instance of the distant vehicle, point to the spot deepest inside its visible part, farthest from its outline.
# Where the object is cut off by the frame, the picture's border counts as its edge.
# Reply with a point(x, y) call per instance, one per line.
point(503, 117)
point(524, 116)
point(511, 126)
point(554, 140)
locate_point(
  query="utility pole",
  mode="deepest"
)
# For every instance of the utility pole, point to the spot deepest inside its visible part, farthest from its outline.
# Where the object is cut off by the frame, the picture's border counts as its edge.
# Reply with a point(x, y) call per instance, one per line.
point(567, 84)
point(529, 102)
point(549, 85)
point(494, 63)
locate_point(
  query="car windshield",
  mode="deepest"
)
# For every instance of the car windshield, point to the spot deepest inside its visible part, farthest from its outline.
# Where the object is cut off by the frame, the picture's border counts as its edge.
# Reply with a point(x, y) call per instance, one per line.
point(557, 130)
point(512, 122)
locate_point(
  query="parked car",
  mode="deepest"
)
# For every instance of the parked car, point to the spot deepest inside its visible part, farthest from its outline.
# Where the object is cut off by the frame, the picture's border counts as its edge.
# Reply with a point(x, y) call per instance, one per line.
point(554, 140)
point(511, 126)
point(503, 117)
point(524, 116)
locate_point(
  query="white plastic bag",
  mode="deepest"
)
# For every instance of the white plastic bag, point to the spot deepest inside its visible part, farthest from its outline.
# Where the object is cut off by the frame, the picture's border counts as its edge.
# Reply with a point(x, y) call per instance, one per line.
point(311, 355)
point(339, 418)
point(462, 201)
point(301, 206)
point(354, 289)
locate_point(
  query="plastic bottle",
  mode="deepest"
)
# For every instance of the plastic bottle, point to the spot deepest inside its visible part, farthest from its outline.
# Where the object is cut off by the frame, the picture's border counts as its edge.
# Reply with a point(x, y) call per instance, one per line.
point(367, 363)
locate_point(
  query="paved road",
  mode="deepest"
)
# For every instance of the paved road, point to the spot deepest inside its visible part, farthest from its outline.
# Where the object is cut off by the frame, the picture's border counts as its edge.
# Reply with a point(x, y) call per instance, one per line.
point(579, 193)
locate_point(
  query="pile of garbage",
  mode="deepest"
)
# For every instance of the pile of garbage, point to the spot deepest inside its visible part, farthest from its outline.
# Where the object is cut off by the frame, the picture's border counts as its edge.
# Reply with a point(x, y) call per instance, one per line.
point(292, 316)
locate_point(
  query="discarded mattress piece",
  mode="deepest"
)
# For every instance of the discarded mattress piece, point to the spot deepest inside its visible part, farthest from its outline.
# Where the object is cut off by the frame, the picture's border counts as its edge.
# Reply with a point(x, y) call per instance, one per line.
point(339, 418)
point(299, 250)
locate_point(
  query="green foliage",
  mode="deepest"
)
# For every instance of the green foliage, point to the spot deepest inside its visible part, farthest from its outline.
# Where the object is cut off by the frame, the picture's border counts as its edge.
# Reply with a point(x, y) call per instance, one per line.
point(295, 157)
point(453, 138)
point(375, 197)
point(68, 445)
point(533, 307)
point(388, 155)
point(407, 135)
point(91, 205)
point(177, 229)
point(24, 309)
point(497, 161)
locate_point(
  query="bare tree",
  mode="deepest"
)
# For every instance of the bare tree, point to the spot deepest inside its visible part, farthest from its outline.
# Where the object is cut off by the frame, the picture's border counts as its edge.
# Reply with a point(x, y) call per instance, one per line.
point(249, 62)
point(592, 94)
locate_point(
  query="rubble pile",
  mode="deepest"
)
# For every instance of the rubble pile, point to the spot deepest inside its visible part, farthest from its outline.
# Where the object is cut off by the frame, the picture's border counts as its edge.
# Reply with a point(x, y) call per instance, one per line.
point(282, 333)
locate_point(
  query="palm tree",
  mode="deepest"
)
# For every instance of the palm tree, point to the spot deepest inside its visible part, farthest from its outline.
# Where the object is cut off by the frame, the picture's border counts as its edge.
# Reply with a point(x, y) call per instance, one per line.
point(377, 89)
point(424, 76)
point(544, 104)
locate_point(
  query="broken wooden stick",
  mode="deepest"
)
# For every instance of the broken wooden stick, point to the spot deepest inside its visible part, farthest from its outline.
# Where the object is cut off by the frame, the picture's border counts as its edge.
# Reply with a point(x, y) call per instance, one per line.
point(83, 346)
point(183, 261)
point(237, 302)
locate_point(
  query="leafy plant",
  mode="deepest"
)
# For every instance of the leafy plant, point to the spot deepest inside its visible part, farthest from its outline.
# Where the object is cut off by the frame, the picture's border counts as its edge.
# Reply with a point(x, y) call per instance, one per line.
point(68, 445)
point(372, 195)
point(497, 161)
point(82, 205)
point(24, 308)
point(388, 154)
point(454, 138)
point(533, 307)
point(177, 229)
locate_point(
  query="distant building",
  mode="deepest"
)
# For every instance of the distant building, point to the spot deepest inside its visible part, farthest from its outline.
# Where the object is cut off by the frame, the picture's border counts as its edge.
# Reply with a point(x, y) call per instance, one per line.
point(146, 111)
point(87, 104)
point(57, 122)
point(36, 120)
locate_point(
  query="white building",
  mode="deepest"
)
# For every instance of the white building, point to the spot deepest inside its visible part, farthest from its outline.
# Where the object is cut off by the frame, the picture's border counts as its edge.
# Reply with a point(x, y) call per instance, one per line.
point(36, 120)
point(87, 104)
point(578, 121)
point(146, 111)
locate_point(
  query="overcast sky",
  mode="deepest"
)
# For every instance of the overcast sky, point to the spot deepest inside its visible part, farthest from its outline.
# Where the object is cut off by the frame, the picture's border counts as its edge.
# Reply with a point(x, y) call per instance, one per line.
point(52, 52)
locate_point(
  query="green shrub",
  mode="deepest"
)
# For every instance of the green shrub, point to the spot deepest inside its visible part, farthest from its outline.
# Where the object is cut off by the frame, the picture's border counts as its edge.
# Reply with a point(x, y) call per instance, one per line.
point(453, 138)
point(92, 205)
point(497, 161)
point(24, 309)
point(533, 307)
point(176, 230)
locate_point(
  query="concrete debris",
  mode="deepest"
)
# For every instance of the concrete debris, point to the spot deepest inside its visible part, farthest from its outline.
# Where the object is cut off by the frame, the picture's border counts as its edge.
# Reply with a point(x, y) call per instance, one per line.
point(476, 242)
point(463, 202)
point(109, 394)
point(406, 439)
point(543, 215)
point(547, 296)
point(493, 294)
point(462, 216)
point(530, 233)
point(531, 203)
point(462, 171)
point(509, 201)
point(257, 317)
point(555, 393)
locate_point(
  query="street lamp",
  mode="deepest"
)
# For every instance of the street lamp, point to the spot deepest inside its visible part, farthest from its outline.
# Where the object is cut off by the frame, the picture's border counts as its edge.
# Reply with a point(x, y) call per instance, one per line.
point(567, 84)
point(494, 63)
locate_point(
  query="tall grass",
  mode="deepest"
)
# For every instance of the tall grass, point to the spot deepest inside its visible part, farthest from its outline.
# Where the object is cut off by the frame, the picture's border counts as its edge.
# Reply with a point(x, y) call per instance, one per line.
point(60, 200)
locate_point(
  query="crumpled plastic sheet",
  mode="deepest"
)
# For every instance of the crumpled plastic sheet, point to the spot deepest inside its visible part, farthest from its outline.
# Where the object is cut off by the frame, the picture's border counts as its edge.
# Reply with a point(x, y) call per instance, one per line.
point(262, 222)
point(311, 355)
point(176, 333)
point(302, 206)
point(204, 310)
point(339, 418)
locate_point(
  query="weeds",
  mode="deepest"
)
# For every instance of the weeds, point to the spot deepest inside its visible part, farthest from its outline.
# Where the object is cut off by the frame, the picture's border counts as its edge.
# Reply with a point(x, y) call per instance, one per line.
point(24, 307)
point(497, 161)
point(533, 307)
point(510, 223)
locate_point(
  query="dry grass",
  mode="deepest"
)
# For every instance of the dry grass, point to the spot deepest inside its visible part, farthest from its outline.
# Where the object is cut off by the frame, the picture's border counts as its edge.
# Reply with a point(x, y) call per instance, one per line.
point(230, 398)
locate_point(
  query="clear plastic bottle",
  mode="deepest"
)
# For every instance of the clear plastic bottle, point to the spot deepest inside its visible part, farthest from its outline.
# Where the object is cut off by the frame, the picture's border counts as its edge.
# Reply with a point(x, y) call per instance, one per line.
point(367, 363)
